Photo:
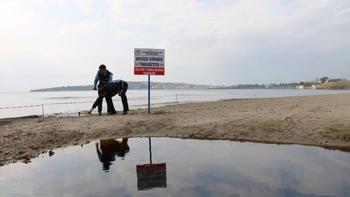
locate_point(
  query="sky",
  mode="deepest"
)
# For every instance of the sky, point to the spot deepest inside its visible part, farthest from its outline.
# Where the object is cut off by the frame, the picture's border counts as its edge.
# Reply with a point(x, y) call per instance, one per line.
point(48, 43)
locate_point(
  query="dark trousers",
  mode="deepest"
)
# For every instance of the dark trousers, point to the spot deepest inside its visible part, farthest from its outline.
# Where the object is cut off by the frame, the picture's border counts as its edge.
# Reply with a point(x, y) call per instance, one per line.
point(99, 101)
point(98, 104)
point(124, 98)
point(125, 102)
point(110, 106)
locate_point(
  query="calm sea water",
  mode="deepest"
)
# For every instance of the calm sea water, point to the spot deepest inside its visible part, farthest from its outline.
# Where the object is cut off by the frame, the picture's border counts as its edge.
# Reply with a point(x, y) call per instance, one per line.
point(180, 168)
point(137, 99)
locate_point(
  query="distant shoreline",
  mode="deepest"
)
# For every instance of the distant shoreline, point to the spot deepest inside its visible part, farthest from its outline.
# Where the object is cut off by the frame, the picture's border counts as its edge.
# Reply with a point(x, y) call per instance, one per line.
point(134, 85)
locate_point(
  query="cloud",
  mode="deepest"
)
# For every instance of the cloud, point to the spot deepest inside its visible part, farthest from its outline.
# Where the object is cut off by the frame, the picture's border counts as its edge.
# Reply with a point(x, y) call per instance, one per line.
point(239, 35)
point(343, 13)
point(226, 42)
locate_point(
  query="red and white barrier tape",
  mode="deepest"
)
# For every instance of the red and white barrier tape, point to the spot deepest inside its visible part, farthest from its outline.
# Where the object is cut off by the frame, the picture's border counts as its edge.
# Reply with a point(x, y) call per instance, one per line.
point(28, 106)
point(16, 107)
point(64, 103)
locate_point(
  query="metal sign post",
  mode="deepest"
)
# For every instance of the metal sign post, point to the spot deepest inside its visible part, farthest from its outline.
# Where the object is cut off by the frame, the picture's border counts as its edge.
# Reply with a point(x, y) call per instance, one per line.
point(149, 62)
point(150, 150)
point(152, 175)
point(149, 94)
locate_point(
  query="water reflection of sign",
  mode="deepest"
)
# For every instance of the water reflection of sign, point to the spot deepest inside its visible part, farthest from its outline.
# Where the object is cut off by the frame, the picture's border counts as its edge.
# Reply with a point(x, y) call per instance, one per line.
point(149, 62)
point(151, 175)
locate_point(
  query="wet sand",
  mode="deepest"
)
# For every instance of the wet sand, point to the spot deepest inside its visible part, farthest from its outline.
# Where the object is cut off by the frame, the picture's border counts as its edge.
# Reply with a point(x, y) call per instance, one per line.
point(309, 120)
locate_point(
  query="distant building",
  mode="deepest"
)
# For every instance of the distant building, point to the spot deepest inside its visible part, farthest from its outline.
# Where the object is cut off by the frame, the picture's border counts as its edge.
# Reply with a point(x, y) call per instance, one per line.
point(315, 86)
point(300, 87)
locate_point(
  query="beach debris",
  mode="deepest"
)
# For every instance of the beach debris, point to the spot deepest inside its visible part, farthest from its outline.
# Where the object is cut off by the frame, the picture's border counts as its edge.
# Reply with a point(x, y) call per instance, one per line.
point(26, 159)
point(51, 153)
point(6, 152)
point(85, 112)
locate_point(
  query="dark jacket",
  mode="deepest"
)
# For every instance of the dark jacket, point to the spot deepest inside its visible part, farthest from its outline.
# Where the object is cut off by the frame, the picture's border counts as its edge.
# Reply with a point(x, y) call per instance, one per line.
point(113, 88)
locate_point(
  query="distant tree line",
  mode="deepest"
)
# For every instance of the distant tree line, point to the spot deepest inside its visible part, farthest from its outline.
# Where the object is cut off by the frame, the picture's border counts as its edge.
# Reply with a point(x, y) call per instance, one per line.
point(136, 85)
point(133, 85)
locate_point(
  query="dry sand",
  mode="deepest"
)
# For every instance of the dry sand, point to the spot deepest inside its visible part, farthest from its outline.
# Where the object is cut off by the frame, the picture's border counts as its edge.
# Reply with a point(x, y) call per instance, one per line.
point(309, 120)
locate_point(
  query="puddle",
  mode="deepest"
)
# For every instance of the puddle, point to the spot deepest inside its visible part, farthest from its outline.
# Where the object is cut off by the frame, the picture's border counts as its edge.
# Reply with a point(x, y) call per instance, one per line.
point(180, 168)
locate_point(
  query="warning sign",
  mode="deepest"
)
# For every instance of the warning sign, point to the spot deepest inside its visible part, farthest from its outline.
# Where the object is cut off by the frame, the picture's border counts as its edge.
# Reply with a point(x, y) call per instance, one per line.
point(150, 176)
point(149, 62)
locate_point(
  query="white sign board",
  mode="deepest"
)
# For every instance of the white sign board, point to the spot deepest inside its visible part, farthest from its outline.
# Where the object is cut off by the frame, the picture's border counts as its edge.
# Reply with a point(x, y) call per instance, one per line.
point(149, 62)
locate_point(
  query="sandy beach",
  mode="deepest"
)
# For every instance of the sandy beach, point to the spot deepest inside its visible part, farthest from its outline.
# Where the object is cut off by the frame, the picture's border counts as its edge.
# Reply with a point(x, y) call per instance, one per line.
point(308, 120)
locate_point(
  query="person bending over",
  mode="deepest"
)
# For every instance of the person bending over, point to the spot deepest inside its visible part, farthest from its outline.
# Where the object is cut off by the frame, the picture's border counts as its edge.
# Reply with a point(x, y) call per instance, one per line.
point(108, 149)
point(108, 91)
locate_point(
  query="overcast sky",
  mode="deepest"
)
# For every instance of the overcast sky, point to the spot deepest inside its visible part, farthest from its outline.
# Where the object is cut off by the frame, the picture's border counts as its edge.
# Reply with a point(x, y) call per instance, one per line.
point(46, 43)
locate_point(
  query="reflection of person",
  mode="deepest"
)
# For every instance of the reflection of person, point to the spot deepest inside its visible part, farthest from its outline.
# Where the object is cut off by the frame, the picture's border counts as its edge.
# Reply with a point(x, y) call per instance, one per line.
point(102, 77)
point(109, 148)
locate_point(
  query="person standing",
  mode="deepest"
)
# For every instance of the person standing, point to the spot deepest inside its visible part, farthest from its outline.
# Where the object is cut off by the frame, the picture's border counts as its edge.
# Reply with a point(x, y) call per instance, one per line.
point(102, 78)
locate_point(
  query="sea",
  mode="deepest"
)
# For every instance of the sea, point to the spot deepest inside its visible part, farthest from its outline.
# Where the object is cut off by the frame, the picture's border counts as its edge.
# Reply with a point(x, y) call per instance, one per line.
point(69, 103)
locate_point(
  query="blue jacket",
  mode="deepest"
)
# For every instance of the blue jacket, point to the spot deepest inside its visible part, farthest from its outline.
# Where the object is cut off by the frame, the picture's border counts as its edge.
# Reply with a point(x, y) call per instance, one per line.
point(103, 80)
